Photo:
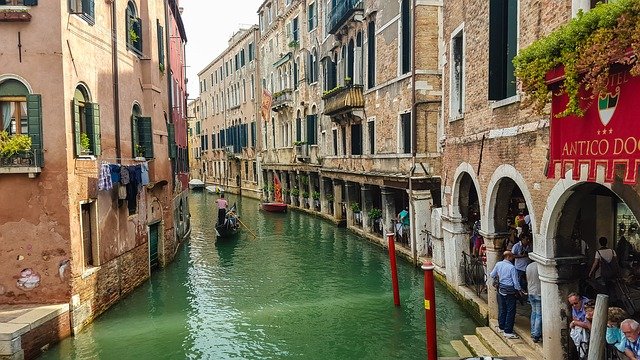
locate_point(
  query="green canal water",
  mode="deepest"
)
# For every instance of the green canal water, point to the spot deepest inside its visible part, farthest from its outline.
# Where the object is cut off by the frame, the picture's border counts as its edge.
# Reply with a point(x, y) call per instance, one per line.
point(303, 289)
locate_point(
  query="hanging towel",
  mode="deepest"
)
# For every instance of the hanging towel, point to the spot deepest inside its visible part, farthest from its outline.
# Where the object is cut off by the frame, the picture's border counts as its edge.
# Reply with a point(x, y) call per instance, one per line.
point(104, 181)
point(124, 175)
point(122, 192)
point(115, 173)
point(144, 174)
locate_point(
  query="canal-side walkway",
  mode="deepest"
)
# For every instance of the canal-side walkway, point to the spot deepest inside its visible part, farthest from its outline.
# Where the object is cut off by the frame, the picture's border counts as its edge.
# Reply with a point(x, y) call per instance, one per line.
point(27, 330)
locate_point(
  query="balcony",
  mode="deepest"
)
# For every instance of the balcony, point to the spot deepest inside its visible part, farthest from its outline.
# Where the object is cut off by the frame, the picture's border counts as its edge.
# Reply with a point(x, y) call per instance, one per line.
point(344, 101)
point(302, 152)
point(282, 100)
point(15, 14)
point(28, 162)
point(342, 12)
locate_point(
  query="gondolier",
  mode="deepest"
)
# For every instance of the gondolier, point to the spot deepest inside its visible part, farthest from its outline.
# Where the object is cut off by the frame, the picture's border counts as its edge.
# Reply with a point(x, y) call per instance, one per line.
point(222, 208)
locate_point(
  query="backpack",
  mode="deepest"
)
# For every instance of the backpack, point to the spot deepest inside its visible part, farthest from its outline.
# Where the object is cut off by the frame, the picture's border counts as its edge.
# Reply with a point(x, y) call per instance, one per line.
point(609, 270)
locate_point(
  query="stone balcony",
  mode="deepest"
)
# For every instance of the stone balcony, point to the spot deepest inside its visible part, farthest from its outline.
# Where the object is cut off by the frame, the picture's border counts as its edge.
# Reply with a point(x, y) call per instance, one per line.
point(282, 100)
point(29, 162)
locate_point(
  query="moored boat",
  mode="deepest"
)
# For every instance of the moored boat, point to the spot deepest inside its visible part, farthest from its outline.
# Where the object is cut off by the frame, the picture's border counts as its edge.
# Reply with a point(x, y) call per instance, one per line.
point(274, 207)
point(196, 184)
point(231, 225)
point(214, 189)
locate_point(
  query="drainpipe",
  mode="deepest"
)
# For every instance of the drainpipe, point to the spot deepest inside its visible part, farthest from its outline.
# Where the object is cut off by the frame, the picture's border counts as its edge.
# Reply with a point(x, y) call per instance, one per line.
point(414, 134)
point(167, 40)
point(114, 70)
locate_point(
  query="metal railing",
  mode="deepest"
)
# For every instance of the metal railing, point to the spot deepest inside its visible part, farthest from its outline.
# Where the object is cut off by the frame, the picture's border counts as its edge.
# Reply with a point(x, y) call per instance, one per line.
point(30, 158)
point(341, 12)
point(474, 273)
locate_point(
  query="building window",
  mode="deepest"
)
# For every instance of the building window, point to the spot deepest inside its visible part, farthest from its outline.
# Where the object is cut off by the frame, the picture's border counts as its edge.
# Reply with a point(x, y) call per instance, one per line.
point(405, 38)
point(141, 134)
point(86, 124)
point(253, 134)
point(312, 72)
point(21, 113)
point(350, 59)
point(371, 129)
point(359, 63)
point(251, 52)
point(294, 29)
point(253, 85)
point(312, 129)
point(160, 31)
point(371, 55)
point(457, 75)
point(89, 233)
point(334, 132)
point(503, 35)
point(356, 139)
point(242, 58)
point(19, 2)
point(313, 17)
point(343, 136)
point(134, 29)
point(255, 172)
point(405, 133)
point(83, 8)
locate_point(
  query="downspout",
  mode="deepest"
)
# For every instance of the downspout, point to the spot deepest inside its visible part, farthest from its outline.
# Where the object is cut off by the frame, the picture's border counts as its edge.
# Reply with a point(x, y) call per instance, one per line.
point(115, 75)
point(167, 41)
point(414, 134)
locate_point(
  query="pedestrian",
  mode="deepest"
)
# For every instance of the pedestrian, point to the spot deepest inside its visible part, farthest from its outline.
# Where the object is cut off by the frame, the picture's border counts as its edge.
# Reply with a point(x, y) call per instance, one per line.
point(614, 336)
point(631, 330)
point(605, 266)
point(521, 252)
point(535, 299)
point(577, 303)
point(508, 289)
point(581, 330)
point(222, 208)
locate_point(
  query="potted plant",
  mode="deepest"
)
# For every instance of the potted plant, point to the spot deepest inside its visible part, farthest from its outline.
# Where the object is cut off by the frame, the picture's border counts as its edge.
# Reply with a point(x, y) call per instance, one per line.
point(85, 144)
point(10, 146)
point(347, 81)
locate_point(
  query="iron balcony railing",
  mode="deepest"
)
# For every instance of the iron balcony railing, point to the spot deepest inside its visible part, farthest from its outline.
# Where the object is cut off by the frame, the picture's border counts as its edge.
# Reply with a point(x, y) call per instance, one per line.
point(341, 12)
point(343, 99)
point(282, 99)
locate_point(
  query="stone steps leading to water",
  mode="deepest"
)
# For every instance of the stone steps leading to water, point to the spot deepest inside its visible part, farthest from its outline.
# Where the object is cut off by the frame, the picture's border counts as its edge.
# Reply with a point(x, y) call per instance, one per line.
point(476, 346)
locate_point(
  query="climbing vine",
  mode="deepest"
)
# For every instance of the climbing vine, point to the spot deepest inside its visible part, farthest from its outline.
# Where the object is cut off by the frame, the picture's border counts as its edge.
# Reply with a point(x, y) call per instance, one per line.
point(586, 47)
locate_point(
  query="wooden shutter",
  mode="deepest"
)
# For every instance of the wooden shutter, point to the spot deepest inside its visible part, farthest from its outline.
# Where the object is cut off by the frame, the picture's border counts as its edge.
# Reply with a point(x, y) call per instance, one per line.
point(295, 75)
point(511, 47)
point(137, 28)
point(88, 8)
point(76, 127)
point(497, 35)
point(92, 112)
point(171, 130)
point(73, 6)
point(298, 129)
point(145, 131)
point(160, 30)
point(34, 115)
point(30, 2)
point(311, 129)
point(135, 136)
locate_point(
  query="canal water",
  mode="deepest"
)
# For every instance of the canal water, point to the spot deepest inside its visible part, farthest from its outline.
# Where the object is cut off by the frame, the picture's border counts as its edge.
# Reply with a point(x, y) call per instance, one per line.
point(302, 289)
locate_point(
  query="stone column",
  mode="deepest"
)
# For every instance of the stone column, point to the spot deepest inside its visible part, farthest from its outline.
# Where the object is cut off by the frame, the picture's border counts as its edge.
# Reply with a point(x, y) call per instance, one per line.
point(420, 224)
point(310, 190)
point(388, 209)
point(456, 240)
point(558, 278)
point(493, 243)
point(367, 204)
point(436, 237)
point(350, 197)
point(302, 190)
point(337, 199)
point(323, 198)
point(269, 185)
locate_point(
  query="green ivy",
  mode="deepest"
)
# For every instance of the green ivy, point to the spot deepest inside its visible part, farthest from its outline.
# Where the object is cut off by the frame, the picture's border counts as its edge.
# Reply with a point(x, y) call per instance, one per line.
point(586, 47)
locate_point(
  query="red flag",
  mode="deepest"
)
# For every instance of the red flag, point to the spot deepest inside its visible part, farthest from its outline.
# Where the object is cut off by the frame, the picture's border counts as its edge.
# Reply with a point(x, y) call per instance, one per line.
point(277, 187)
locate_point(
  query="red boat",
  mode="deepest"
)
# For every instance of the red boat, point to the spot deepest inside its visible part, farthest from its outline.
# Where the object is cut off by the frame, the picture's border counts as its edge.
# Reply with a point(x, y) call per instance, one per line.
point(274, 207)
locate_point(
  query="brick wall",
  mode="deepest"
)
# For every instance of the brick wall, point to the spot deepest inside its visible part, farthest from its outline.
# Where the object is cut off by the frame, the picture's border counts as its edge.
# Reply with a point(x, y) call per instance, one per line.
point(45, 335)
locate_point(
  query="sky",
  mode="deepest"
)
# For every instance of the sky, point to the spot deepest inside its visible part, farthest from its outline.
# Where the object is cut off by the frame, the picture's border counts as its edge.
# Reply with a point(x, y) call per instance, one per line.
point(209, 25)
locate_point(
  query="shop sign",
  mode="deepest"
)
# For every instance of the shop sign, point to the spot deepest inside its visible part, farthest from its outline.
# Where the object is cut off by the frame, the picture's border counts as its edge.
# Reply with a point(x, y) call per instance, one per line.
point(608, 135)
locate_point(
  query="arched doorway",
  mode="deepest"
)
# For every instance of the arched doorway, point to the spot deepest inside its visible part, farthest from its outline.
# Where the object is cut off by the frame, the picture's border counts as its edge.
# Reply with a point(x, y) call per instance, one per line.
point(473, 262)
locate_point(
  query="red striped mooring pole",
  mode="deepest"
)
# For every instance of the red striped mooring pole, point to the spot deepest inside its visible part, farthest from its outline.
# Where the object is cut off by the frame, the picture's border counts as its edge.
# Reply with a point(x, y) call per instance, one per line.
point(394, 269)
point(430, 310)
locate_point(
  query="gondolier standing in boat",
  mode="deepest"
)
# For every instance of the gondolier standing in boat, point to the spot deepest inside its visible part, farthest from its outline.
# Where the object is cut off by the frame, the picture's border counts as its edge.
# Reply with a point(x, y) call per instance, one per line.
point(222, 208)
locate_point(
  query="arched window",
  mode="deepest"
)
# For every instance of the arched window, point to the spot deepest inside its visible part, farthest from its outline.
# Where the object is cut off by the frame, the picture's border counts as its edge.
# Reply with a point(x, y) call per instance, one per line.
point(21, 113)
point(86, 123)
point(350, 60)
point(371, 55)
point(405, 10)
point(134, 29)
point(141, 134)
point(359, 63)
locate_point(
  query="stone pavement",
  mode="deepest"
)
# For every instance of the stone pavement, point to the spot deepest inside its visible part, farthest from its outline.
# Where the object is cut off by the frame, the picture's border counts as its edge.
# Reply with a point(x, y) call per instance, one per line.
point(27, 330)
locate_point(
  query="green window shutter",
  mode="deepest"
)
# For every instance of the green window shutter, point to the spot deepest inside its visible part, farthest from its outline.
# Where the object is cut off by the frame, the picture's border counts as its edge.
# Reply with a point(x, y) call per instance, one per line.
point(93, 127)
point(145, 132)
point(34, 114)
point(135, 136)
point(171, 129)
point(76, 127)
point(298, 129)
point(497, 45)
point(137, 28)
point(160, 44)
point(311, 129)
point(88, 8)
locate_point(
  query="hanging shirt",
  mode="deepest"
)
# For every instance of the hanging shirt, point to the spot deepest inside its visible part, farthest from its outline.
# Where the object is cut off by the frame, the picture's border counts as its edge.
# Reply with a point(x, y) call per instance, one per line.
point(115, 173)
point(104, 180)
point(124, 175)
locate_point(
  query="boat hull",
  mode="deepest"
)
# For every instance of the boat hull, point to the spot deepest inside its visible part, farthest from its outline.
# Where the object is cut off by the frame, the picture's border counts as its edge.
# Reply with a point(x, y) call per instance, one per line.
point(274, 207)
point(225, 232)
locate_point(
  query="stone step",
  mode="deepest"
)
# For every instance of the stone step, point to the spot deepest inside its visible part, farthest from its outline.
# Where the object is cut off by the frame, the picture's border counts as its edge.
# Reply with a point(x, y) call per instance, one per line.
point(524, 346)
point(476, 346)
point(494, 342)
point(461, 348)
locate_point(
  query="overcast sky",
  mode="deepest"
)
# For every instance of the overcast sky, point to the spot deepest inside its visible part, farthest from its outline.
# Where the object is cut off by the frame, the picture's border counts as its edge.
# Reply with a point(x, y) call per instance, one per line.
point(209, 25)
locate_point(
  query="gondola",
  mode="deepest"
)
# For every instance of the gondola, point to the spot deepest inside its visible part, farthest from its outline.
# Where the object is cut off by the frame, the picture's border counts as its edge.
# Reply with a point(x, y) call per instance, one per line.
point(231, 225)
point(278, 205)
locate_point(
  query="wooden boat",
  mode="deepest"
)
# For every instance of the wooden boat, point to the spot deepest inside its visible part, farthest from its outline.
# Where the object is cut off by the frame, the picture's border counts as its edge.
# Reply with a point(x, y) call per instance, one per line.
point(274, 207)
point(196, 184)
point(231, 225)
point(214, 189)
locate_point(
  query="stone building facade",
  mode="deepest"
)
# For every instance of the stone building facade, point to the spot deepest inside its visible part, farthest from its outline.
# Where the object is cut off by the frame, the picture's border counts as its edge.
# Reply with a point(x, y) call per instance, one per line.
point(495, 163)
point(93, 93)
point(228, 126)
